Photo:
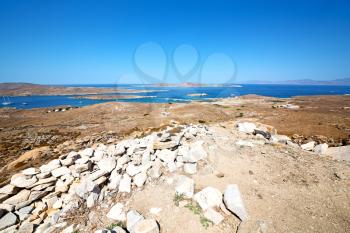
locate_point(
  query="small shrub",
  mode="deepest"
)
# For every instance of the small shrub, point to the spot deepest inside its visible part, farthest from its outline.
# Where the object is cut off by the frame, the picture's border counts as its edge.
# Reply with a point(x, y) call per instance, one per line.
point(205, 222)
point(116, 224)
point(195, 208)
point(178, 197)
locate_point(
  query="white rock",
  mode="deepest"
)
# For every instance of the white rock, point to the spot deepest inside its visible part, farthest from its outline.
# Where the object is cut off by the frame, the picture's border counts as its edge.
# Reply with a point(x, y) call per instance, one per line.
point(119, 150)
point(146, 226)
point(321, 149)
point(8, 220)
point(156, 170)
point(213, 216)
point(208, 198)
point(132, 170)
point(26, 227)
point(117, 213)
point(82, 160)
point(132, 218)
point(246, 127)
point(98, 155)
point(167, 155)
point(7, 207)
point(308, 146)
point(58, 204)
point(92, 198)
point(234, 201)
point(190, 168)
point(22, 196)
point(9, 189)
point(339, 153)
point(87, 152)
point(107, 164)
point(79, 168)
point(140, 179)
point(195, 153)
point(61, 171)
point(67, 161)
point(280, 138)
point(125, 184)
point(114, 180)
point(22, 181)
point(53, 164)
point(185, 186)
point(30, 171)
point(122, 160)
point(172, 166)
point(69, 229)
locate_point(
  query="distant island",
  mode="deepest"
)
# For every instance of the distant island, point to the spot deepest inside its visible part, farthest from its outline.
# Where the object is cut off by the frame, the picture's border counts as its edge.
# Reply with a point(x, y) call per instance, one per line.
point(343, 81)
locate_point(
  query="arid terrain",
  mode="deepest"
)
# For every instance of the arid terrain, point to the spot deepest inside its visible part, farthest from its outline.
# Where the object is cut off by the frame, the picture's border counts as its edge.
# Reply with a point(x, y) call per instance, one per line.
point(322, 118)
point(27, 89)
point(284, 188)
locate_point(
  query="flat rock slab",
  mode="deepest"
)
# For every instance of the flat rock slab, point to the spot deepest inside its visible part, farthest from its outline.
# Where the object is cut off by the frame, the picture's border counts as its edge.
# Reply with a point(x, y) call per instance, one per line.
point(8, 220)
point(234, 201)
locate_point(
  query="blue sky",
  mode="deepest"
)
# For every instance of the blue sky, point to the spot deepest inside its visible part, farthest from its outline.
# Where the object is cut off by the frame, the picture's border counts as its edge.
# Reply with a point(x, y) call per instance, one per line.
point(87, 42)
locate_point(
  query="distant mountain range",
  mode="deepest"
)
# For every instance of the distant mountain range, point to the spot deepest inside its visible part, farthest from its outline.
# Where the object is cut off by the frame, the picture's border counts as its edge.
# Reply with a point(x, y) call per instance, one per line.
point(343, 81)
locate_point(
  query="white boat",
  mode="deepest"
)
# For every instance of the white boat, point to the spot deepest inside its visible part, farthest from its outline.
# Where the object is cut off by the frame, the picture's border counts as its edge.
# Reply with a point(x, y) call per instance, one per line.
point(6, 101)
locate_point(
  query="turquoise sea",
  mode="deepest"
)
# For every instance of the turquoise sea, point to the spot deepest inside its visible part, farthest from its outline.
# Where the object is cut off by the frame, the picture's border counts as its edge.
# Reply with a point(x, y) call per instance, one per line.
point(177, 94)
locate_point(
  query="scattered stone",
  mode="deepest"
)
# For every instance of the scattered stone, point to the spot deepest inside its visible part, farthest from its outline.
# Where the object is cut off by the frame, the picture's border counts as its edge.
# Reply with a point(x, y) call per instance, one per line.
point(20, 180)
point(156, 171)
point(114, 180)
point(58, 204)
point(246, 127)
point(107, 164)
point(146, 226)
point(185, 186)
point(22, 196)
point(167, 155)
point(164, 145)
point(234, 201)
point(87, 152)
point(61, 171)
point(9, 189)
point(26, 227)
point(321, 149)
point(30, 171)
point(190, 168)
point(140, 179)
point(308, 146)
point(69, 229)
point(132, 170)
point(92, 198)
point(132, 218)
point(213, 216)
point(208, 198)
point(117, 213)
point(125, 184)
point(8, 220)
point(7, 207)
point(53, 164)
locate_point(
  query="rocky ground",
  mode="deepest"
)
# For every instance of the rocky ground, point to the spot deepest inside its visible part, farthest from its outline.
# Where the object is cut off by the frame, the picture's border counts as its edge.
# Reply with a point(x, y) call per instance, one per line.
point(33, 137)
point(221, 177)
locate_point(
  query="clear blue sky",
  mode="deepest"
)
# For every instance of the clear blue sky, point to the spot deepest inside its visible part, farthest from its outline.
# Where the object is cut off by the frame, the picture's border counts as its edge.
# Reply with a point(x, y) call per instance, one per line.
point(65, 42)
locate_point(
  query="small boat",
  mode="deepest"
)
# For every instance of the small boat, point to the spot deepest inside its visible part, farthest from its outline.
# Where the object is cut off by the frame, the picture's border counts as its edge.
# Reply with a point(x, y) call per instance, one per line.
point(6, 101)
